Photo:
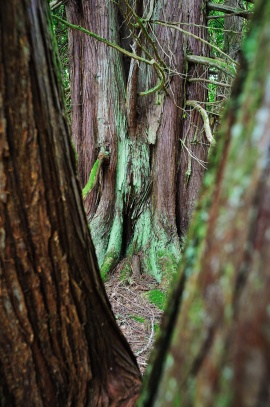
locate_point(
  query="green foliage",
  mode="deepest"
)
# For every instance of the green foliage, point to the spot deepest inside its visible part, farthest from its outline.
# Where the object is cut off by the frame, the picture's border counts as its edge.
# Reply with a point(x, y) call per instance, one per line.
point(158, 298)
point(212, 93)
point(216, 36)
point(61, 35)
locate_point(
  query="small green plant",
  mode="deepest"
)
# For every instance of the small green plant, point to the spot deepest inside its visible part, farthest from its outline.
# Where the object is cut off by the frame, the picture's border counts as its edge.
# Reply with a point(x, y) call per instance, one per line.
point(158, 298)
point(137, 319)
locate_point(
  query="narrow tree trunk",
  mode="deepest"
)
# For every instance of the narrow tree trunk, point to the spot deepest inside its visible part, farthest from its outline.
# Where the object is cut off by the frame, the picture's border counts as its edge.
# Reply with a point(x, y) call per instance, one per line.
point(134, 209)
point(195, 146)
point(233, 36)
point(215, 346)
point(59, 342)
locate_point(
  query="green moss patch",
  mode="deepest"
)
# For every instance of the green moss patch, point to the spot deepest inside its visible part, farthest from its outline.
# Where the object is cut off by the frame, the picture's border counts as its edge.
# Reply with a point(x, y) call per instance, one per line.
point(137, 319)
point(92, 179)
point(158, 298)
point(126, 271)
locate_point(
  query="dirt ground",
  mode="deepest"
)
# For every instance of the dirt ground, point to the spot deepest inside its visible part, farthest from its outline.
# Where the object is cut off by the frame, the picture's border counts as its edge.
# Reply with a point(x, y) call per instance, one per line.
point(137, 317)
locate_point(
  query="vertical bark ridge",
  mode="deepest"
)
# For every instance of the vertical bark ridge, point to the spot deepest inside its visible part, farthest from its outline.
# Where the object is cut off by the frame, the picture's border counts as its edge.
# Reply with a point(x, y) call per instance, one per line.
point(142, 186)
point(60, 344)
point(219, 351)
point(193, 140)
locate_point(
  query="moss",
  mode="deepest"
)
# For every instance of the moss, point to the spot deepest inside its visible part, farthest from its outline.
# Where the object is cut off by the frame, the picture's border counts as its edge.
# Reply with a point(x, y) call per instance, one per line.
point(108, 264)
point(137, 319)
point(55, 53)
point(126, 271)
point(169, 264)
point(114, 245)
point(160, 247)
point(75, 154)
point(99, 233)
point(92, 179)
point(158, 298)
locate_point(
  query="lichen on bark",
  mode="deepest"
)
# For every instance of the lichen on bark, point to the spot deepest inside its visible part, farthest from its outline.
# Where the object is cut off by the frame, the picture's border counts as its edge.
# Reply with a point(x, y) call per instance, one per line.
point(218, 342)
point(137, 210)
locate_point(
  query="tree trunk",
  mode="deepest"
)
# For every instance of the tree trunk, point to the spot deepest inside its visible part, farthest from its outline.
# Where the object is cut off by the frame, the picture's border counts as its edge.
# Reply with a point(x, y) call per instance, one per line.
point(233, 34)
point(233, 37)
point(215, 347)
point(135, 209)
point(59, 342)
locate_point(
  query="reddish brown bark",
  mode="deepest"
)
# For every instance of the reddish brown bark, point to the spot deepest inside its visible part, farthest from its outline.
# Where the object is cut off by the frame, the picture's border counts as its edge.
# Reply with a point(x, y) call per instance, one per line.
point(140, 195)
point(59, 342)
point(194, 142)
point(93, 120)
point(216, 334)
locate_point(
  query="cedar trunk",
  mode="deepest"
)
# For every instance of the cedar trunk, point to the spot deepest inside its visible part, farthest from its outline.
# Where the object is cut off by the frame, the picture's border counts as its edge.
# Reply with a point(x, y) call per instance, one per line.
point(59, 342)
point(233, 37)
point(215, 347)
point(141, 206)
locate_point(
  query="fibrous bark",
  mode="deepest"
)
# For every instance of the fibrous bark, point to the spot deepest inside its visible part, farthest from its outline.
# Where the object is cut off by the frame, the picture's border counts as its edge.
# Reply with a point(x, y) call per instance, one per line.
point(59, 341)
point(136, 209)
point(233, 36)
point(215, 344)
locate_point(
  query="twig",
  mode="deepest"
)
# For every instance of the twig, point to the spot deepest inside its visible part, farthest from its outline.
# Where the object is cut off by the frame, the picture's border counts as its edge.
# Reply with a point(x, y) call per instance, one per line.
point(201, 162)
point(149, 340)
point(197, 38)
point(228, 10)
point(57, 3)
point(159, 70)
point(213, 62)
point(225, 85)
point(207, 128)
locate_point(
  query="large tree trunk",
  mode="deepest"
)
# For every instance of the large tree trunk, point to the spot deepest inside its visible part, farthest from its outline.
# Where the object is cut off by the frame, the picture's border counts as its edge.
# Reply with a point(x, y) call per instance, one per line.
point(215, 347)
point(136, 211)
point(59, 342)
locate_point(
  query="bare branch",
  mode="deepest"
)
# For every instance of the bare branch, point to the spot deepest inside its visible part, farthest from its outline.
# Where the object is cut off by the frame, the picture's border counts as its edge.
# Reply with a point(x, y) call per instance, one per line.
point(159, 70)
point(225, 85)
point(149, 340)
point(175, 26)
point(228, 10)
point(206, 123)
point(217, 63)
point(56, 3)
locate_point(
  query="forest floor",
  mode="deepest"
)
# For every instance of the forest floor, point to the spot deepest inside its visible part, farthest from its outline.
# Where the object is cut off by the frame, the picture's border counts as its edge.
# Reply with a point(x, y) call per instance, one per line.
point(136, 314)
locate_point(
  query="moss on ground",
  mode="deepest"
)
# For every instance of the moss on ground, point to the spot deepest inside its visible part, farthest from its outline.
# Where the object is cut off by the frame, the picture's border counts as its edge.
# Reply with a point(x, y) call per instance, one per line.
point(158, 298)
point(137, 319)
